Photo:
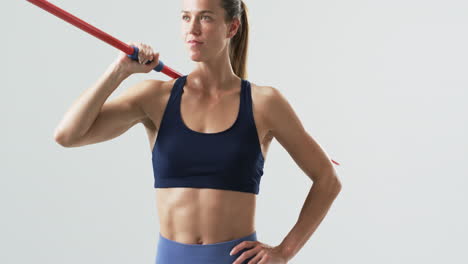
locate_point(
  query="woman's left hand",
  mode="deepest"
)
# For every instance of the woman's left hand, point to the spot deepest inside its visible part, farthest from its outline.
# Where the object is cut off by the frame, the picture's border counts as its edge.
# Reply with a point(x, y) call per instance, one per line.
point(263, 253)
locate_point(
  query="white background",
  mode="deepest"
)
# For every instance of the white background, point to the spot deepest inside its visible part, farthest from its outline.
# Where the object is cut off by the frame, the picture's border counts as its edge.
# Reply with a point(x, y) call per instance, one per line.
point(381, 85)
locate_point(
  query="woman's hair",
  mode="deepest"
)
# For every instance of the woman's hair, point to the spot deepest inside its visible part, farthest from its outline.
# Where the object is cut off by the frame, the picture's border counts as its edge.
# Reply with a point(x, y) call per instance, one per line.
point(239, 43)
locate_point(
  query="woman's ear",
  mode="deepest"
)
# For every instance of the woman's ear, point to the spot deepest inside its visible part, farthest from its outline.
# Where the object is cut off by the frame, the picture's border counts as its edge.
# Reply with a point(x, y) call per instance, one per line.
point(234, 27)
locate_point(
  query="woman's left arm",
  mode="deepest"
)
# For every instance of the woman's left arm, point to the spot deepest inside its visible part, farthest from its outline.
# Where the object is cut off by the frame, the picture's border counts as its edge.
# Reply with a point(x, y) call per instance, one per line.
point(313, 160)
point(286, 127)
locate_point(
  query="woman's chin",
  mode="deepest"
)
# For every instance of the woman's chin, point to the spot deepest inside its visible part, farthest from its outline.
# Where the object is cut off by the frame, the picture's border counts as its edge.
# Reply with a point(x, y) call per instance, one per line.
point(196, 58)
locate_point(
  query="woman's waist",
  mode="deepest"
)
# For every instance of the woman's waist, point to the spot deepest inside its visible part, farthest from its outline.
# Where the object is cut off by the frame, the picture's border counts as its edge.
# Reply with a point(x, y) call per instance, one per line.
point(205, 225)
point(194, 215)
point(206, 235)
point(204, 252)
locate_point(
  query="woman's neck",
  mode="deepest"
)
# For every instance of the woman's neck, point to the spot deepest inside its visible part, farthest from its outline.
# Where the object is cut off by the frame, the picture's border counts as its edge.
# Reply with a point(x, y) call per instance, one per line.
point(212, 76)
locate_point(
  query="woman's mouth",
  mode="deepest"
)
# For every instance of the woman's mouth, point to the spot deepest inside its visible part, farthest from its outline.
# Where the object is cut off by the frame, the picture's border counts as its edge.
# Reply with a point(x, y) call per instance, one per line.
point(194, 43)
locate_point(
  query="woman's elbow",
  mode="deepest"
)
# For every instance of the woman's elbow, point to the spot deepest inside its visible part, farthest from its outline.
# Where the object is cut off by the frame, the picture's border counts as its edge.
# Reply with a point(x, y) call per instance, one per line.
point(62, 138)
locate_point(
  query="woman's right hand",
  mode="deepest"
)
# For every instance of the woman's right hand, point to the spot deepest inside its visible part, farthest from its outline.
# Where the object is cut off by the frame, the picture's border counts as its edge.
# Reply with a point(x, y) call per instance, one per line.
point(145, 54)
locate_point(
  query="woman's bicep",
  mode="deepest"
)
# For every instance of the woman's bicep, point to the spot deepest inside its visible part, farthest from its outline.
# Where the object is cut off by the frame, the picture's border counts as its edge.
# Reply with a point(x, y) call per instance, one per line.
point(117, 115)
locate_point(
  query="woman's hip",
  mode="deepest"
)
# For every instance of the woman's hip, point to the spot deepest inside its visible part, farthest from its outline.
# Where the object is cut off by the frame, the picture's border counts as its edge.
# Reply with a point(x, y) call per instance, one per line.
point(173, 252)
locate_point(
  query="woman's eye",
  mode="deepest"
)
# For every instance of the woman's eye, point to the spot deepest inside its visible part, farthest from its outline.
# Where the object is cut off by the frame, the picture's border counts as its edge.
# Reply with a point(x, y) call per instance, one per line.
point(203, 17)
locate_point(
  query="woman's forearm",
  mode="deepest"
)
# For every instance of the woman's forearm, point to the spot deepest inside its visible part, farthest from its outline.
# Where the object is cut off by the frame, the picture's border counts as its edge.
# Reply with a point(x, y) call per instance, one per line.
point(84, 111)
point(316, 206)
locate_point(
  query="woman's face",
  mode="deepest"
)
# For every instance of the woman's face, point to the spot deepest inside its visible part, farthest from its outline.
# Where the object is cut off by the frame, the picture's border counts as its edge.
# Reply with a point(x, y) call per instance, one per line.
point(204, 21)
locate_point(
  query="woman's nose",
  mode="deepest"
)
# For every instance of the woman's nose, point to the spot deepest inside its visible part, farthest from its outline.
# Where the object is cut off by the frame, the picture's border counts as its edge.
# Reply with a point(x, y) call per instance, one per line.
point(194, 27)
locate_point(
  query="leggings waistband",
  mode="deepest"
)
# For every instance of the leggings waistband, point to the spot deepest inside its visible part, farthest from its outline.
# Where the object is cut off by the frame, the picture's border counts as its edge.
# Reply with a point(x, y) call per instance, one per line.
point(173, 252)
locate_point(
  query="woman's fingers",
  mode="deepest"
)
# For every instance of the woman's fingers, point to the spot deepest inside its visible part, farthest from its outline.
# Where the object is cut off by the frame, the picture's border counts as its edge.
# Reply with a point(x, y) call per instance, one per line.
point(146, 56)
point(141, 54)
point(150, 54)
point(146, 53)
point(154, 59)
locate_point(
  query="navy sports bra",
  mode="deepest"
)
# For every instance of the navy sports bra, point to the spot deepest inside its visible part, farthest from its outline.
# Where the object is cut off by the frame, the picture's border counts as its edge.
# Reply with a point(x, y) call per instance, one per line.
point(231, 159)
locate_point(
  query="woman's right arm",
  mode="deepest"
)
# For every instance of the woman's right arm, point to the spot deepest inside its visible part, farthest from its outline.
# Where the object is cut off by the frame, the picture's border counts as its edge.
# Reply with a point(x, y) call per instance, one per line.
point(91, 119)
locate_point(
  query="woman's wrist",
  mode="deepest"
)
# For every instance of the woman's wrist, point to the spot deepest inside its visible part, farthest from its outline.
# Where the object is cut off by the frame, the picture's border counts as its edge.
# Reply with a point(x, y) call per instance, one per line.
point(117, 71)
point(286, 252)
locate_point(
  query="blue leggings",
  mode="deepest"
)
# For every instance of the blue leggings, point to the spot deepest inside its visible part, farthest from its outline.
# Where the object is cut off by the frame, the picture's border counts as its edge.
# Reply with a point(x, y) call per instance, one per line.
point(173, 252)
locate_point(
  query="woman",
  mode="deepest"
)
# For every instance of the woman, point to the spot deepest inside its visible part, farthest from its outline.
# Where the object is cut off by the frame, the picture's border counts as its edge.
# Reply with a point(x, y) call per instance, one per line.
point(209, 133)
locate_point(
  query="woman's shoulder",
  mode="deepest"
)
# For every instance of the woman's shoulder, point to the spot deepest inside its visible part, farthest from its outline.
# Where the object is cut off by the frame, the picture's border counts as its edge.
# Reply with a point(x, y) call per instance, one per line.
point(263, 94)
point(156, 86)
point(262, 89)
point(155, 95)
point(268, 99)
point(157, 89)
